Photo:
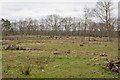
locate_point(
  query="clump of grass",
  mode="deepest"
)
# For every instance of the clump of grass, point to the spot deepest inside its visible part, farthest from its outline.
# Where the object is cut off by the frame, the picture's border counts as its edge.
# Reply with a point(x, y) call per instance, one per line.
point(6, 69)
point(81, 45)
point(42, 61)
point(60, 57)
point(26, 69)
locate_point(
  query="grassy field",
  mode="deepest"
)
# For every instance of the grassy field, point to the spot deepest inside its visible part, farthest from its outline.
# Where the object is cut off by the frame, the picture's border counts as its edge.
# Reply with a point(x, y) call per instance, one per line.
point(66, 57)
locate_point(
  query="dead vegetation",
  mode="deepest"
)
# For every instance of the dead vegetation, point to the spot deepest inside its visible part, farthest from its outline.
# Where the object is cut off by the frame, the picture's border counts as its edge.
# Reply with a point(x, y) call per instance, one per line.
point(113, 65)
point(10, 38)
point(103, 54)
point(67, 52)
point(56, 53)
point(14, 47)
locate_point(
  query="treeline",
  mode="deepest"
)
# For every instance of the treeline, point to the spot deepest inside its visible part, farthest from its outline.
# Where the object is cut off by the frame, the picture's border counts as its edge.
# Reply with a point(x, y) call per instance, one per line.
point(67, 26)
point(53, 25)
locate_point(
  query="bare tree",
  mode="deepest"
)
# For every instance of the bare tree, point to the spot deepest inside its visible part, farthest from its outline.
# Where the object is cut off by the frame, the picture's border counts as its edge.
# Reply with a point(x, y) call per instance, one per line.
point(67, 22)
point(75, 24)
point(53, 23)
point(31, 26)
point(103, 12)
point(87, 19)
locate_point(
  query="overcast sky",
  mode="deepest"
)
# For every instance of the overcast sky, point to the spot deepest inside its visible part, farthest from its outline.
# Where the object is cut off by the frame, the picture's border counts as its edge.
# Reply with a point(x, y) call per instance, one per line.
point(20, 9)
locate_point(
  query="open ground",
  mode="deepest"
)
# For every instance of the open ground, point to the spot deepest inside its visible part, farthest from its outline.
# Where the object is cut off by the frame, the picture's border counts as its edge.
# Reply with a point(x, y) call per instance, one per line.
point(58, 57)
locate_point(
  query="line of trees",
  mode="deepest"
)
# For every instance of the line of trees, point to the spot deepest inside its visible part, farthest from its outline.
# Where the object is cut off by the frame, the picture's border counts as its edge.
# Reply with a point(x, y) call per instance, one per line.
point(57, 25)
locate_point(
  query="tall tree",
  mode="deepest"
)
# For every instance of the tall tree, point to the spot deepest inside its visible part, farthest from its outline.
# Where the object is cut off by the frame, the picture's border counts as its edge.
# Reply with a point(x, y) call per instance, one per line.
point(87, 19)
point(103, 12)
point(54, 23)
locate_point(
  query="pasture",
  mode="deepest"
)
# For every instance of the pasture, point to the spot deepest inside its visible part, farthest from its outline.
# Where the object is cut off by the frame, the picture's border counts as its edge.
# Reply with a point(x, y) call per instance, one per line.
point(58, 57)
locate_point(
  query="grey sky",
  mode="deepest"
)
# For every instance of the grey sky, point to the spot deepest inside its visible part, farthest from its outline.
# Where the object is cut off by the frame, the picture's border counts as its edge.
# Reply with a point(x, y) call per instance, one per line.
point(12, 9)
